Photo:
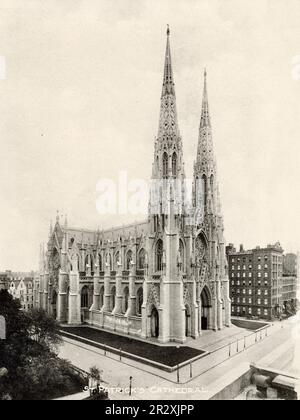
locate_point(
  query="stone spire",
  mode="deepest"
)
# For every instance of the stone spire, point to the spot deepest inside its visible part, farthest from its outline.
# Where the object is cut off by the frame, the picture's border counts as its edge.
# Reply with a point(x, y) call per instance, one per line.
point(205, 155)
point(205, 119)
point(168, 154)
point(168, 125)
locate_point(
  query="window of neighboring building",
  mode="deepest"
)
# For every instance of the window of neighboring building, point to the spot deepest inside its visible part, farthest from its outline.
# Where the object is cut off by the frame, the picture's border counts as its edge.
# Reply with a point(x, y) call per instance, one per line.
point(258, 311)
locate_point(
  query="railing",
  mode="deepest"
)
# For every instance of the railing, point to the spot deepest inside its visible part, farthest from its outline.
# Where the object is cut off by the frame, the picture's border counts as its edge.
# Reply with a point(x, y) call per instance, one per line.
point(221, 354)
point(188, 370)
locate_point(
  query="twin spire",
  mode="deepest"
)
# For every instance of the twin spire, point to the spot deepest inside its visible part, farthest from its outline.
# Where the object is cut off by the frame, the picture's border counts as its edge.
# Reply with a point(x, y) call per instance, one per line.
point(168, 113)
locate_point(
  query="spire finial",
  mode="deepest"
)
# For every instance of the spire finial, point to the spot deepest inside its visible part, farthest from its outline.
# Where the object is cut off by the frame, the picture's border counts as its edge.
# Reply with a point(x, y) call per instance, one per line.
point(168, 30)
point(57, 215)
point(205, 119)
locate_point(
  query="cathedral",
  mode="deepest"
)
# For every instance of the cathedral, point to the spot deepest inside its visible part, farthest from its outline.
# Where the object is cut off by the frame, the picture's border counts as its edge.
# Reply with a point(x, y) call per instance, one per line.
point(163, 279)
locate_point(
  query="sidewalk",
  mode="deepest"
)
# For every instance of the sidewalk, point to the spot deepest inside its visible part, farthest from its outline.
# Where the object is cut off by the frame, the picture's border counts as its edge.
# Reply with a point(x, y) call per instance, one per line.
point(151, 385)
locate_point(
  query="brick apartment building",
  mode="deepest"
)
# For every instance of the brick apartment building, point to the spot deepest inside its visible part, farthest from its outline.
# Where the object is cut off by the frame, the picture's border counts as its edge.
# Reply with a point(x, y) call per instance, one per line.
point(255, 281)
point(289, 283)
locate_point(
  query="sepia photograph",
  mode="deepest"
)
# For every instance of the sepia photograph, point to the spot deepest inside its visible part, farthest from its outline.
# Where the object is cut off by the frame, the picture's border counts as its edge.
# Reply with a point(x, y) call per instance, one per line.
point(149, 249)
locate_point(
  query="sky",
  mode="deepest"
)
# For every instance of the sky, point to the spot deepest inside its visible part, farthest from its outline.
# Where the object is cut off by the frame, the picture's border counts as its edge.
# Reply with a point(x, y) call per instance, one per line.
point(79, 100)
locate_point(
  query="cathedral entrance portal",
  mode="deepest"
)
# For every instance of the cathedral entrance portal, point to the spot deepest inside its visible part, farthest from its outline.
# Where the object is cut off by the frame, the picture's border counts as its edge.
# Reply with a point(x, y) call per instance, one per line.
point(154, 323)
point(205, 308)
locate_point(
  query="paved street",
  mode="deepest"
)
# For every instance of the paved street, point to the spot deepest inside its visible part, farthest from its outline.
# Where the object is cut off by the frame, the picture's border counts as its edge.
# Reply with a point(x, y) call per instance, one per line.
point(154, 384)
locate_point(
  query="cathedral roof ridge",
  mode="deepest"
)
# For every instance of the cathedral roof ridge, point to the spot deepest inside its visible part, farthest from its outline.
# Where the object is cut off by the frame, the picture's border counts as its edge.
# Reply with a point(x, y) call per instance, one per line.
point(113, 229)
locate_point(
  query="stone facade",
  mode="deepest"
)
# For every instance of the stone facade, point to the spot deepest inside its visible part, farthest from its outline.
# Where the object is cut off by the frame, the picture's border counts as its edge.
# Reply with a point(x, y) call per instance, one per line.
point(21, 288)
point(164, 278)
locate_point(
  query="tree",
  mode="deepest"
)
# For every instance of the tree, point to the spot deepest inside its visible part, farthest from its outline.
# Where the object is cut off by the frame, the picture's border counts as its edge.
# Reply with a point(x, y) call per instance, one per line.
point(43, 328)
point(33, 369)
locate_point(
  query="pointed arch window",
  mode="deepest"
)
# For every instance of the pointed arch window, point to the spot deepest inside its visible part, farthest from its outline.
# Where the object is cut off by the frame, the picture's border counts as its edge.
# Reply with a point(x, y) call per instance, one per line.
point(159, 255)
point(128, 260)
point(165, 165)
point(174, 164)
point(100, 262)
point(85, 297)
point(142, 259)
point(117, 258)
point(182, 255)
point(204, 189)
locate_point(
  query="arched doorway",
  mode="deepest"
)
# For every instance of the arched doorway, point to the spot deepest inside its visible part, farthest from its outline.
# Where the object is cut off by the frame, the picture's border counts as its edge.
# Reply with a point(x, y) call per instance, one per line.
point(187, 321)
point(154, 323)
point(205, 309)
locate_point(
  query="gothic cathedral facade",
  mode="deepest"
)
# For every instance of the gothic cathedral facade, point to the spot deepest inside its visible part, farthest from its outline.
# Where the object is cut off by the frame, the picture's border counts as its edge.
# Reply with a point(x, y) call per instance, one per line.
point(164, 278)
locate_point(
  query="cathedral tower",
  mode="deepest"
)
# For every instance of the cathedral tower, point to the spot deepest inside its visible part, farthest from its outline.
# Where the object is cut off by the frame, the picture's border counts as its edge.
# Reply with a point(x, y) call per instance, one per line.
point(166, 214)
point(210, 262)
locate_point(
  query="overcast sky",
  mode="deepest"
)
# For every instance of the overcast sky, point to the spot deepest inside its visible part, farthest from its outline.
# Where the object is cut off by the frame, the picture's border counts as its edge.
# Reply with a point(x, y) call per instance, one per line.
point(80, 102)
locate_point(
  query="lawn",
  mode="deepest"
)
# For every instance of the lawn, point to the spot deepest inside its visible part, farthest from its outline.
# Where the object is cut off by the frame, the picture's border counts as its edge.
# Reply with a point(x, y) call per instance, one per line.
point(166, 355)
point(248, 325)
